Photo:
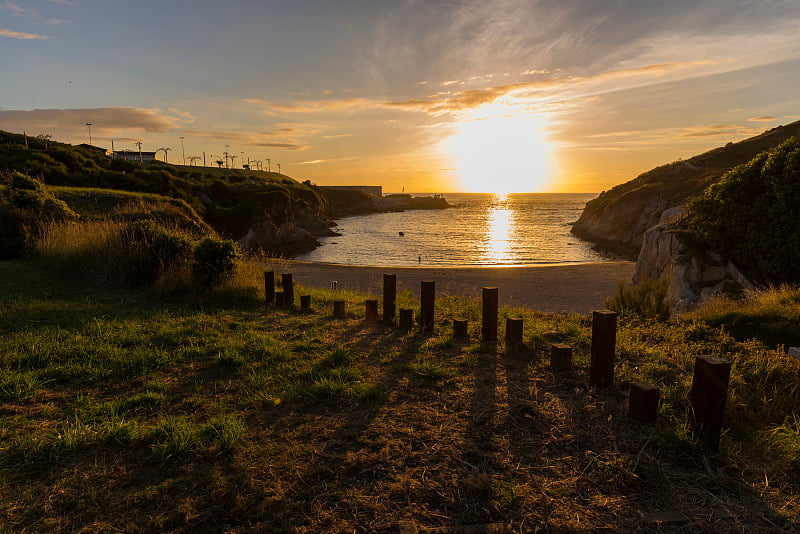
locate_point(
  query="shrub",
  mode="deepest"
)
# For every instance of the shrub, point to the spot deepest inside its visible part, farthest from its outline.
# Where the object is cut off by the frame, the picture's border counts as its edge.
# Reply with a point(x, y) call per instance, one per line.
point(647, 299)
point(153, 250)
point(215, 260)
point(752, 215)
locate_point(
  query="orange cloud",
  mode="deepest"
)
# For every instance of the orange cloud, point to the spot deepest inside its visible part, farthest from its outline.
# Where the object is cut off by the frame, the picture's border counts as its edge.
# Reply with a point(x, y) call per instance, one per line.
point(20, 35)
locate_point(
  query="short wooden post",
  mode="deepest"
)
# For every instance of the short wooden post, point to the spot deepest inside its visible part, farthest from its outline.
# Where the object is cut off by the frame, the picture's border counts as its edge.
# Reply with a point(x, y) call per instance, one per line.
point(513, 332)
point(560, 358)
point(389, 296)
point(489, 316)
point(269, 287)
point(460, 328)
point(604, 341)
point(305, 302)
point(643, 401)
point(338, 309)
point(709, 393)
point(279, 298)
point(371, 310)
point(406, 318)
point(428, 304)
point(288, 289)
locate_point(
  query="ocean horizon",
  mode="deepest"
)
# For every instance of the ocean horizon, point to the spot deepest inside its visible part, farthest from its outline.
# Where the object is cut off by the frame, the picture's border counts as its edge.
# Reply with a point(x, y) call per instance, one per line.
point(482, 229)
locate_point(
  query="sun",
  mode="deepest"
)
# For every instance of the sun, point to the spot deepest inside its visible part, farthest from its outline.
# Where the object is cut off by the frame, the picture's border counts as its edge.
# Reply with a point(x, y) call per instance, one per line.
point(498, 149)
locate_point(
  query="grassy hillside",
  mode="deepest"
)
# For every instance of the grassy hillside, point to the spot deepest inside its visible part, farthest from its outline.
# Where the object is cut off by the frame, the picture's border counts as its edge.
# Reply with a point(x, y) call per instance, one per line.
point(621, 215)
point(123, 413)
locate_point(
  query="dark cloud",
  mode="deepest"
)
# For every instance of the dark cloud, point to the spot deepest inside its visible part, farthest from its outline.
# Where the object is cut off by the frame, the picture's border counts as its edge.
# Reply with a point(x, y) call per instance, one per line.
point(102, 119)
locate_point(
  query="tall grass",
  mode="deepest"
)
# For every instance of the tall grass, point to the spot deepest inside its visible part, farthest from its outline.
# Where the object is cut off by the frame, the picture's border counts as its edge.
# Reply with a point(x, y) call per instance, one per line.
point(93, 248)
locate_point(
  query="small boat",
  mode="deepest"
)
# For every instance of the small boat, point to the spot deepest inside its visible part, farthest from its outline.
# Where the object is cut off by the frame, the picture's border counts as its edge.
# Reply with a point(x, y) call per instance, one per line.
point(401, 233)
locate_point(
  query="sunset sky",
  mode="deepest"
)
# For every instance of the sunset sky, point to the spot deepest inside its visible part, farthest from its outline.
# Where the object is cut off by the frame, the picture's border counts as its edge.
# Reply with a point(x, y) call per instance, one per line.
point(484, 95)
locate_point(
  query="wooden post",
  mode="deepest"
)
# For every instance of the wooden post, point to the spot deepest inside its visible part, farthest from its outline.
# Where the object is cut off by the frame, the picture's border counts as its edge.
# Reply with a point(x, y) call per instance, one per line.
point(406, 319)
point(709, 393)
point(371, 310)
point(643, 401)
point(560, 358)
point(269, 287)
point(460, 329)
point(338, 309)
point(389, 296)
point(604, 341)
point(288, 290)
point(489, 319)
point(305, 302)
point(513, 332)
point(279, 298)
point(428, 304)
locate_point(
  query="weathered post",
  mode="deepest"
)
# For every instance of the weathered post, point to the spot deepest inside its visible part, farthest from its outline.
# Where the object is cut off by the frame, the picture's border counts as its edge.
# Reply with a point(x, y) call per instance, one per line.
point(389, 296)
point(709, 393)
point(604, 341)
point(513, 332)
point(305, 302)
point(288, 290)
point(269, 287)
point(460, 328)
point(279, 299)
point(489, 319)
point(338, 309)
point(406, 318)
point(643, 401)
point(371, 309)
point(428, 305)
point(560, 358)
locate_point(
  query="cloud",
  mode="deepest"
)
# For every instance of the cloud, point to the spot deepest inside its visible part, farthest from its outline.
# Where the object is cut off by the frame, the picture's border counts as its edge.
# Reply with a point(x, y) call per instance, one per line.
point(250, 139)
point(102, 119)
point(336, 136)
point(318, 161)
point(309, 106)
point(17, 10)
point(21, 35)
point(763, 119)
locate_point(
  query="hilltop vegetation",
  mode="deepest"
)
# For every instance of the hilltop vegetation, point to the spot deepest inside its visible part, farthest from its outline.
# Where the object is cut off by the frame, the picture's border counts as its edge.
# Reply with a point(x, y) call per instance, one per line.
point(752, 215)
point(287, 214)
point(620, 216)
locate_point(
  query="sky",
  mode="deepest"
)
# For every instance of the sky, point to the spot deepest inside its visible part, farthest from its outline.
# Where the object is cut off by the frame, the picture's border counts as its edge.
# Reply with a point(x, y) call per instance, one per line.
point(415, 95)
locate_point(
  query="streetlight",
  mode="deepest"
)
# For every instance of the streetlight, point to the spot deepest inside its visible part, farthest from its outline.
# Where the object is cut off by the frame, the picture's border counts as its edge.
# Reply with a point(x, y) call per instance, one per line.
point(139, 144)
point(183, 151)
point(242, 160)
point(226, 156)
point(89, 125)
point(279, 167)
point(269, 167)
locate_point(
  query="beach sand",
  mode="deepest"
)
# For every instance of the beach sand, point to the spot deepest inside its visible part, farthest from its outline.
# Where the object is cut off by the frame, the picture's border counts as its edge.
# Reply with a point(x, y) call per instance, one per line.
point(578, 288)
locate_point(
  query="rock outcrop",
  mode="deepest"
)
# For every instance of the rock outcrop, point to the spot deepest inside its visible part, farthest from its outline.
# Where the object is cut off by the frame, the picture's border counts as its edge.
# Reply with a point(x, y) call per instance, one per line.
point(671, 251)
point(621, 216)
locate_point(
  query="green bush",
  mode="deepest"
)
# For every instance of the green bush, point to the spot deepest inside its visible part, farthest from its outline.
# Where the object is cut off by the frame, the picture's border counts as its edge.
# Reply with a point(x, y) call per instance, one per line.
point(215, 260)
point(647, 299)
point(26, 206)
point(153, 249)
point(752, 215)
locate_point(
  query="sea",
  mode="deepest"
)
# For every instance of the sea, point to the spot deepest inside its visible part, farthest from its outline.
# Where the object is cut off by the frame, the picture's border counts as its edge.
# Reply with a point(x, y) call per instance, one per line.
point(481, 230)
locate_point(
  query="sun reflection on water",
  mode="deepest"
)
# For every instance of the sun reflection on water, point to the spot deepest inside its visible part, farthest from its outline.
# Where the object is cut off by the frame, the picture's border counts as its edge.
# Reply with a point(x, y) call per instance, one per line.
point(499, 228)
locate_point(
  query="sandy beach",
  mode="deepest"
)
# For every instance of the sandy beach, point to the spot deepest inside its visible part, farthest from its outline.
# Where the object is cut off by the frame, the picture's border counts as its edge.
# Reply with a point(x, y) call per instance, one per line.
point(578, 288)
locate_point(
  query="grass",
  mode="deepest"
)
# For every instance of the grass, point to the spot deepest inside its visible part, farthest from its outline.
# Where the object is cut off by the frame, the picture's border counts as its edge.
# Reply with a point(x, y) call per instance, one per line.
point(121, 411)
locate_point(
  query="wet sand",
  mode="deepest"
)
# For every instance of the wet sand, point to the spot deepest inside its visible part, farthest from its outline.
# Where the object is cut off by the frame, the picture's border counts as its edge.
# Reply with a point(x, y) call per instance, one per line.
point(578, 288)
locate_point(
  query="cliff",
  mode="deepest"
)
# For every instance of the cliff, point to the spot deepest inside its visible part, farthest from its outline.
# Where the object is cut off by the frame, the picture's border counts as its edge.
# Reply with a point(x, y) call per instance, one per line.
point(673, 252)
point(621, 216)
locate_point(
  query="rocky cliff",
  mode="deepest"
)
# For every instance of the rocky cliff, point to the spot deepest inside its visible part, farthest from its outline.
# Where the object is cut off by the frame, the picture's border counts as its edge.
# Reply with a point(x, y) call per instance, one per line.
point(670, 251)
point(621, 216)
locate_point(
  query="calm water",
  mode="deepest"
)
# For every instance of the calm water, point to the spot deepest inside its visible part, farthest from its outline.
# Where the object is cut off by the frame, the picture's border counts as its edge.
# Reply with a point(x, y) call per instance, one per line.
point(485, 229)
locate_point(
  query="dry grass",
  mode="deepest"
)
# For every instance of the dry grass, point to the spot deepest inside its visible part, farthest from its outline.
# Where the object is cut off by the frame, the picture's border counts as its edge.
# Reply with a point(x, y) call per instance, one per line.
point(231, 417)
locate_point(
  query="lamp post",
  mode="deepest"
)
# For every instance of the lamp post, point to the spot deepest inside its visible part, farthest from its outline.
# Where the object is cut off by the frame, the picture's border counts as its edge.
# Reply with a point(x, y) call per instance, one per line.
point(139, 144)
point(183, 152)
point(89, 125)
point(269, 167)
point(279, 167)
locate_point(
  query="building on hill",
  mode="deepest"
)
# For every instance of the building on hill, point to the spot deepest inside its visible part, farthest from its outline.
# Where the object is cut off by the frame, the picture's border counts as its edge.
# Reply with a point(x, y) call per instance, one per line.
point(374, 190)
point(133, 155)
